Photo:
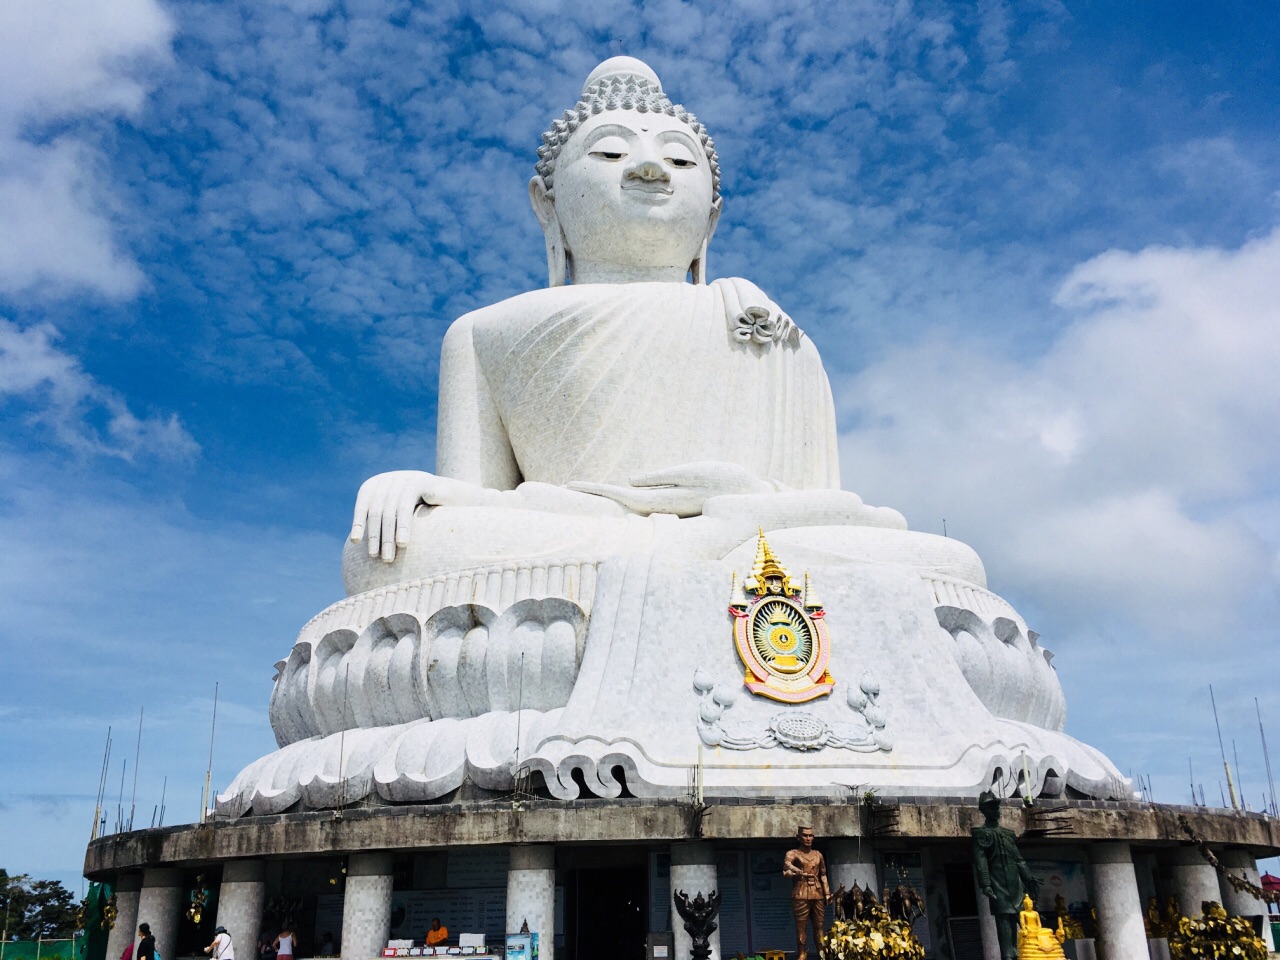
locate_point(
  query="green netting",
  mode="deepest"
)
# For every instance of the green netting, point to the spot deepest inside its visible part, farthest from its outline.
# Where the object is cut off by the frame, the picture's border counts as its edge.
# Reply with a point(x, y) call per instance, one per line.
point(40, 949)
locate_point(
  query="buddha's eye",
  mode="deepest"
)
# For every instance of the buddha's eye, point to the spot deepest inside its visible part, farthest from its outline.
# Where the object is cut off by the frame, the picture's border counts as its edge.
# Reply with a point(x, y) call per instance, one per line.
point(679, 156)
point(612, 149)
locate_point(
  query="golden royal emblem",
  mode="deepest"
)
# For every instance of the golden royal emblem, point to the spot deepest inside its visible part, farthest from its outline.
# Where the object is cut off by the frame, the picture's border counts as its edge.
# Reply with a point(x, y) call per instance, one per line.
point(780, 632)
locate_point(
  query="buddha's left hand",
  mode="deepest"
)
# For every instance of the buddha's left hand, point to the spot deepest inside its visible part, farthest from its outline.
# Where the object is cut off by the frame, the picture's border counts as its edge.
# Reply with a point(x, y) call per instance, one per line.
point(680, 490)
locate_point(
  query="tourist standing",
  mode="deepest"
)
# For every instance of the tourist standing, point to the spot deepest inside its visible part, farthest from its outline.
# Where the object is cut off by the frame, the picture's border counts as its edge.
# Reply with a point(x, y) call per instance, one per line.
point(284, 944)
point(146, 943)
point(221, 948)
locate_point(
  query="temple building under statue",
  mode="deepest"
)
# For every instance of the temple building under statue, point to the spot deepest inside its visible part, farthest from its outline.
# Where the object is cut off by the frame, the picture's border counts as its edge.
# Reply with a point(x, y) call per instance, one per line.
point(634, 632)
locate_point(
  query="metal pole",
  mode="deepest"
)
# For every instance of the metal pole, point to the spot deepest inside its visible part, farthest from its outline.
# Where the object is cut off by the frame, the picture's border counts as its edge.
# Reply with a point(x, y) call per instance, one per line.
point(1266, 756)
point(1231, 787)
point(137, 752)
point(515, 784)
point(120, 800)
point(102, 786)
point(342, 741)
point(208, 773)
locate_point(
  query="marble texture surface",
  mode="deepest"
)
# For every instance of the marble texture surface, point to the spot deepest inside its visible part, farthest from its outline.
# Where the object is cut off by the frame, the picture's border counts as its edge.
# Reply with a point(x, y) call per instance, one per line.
point(693, 871)
point(531, 894)
point(366, 906)
point(659, 638)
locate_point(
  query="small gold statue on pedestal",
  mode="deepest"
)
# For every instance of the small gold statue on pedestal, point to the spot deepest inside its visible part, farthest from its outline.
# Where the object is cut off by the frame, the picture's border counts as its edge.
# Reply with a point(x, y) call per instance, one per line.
point(1034, 941)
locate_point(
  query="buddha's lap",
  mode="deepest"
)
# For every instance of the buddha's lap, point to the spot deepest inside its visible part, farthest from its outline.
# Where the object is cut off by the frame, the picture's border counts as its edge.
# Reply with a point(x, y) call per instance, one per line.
point(447, 540)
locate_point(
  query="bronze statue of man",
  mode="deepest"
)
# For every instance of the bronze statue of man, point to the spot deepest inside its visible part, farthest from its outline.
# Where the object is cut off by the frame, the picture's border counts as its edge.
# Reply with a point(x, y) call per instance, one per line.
point(1003, 876)
point(809, 895)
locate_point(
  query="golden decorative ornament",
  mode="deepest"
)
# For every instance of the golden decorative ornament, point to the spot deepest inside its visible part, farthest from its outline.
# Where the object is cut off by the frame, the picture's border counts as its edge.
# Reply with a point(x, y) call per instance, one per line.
point(780, 632)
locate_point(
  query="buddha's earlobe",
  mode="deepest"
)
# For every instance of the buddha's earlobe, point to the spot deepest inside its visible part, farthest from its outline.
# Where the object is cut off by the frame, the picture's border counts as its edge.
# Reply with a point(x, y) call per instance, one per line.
point(544, 209)
point(698, 269)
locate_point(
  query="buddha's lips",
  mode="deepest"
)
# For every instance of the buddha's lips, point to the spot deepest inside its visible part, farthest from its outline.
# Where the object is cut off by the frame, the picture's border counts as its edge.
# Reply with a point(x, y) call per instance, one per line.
point(650, 187)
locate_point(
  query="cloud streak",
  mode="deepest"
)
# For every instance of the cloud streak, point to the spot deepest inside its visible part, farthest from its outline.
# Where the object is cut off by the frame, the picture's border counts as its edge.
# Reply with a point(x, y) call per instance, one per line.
point(66, 63)
point(80, 412)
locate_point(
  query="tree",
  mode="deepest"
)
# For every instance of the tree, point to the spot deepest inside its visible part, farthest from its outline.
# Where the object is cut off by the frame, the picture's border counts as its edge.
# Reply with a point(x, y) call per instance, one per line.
point(36, 909)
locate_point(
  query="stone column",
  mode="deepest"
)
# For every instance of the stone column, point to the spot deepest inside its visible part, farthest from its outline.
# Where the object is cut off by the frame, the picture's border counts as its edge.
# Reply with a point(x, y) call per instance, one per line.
point(987, 926)
point(531, 895)
point(240, 900)
point(1240, 903)
point(851, 860)
point(693, 870)
point(159, 905)
point(1121, 935)
point(366, 906)
point(1193, 879)
point(128, 887)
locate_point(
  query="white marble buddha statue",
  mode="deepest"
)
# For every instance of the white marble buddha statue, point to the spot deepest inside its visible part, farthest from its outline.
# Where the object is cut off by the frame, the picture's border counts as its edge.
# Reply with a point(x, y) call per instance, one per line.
point(565, 597)
point(570, 416)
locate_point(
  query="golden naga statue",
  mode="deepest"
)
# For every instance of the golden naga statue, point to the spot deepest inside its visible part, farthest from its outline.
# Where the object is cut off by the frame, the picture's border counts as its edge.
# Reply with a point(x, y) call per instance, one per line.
point(1034, 941)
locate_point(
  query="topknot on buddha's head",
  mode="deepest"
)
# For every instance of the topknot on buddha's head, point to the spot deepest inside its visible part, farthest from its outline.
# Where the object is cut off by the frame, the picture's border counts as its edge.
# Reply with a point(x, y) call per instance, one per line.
point(620, 83)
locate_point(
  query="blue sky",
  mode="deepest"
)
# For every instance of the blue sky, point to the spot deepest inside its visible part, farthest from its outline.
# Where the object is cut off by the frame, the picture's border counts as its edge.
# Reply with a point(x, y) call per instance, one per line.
point(1037, 243)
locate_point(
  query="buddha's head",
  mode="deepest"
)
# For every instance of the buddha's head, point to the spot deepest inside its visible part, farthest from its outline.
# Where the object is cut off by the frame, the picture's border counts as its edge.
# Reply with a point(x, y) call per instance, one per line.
point(627, 181)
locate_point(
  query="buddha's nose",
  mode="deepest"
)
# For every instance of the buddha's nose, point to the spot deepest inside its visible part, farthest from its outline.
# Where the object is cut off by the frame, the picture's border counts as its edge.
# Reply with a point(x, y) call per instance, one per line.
point(648, 170)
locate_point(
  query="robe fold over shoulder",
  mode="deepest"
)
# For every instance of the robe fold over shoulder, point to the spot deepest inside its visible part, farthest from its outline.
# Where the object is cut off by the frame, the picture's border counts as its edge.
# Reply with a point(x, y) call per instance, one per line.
point(602, 382)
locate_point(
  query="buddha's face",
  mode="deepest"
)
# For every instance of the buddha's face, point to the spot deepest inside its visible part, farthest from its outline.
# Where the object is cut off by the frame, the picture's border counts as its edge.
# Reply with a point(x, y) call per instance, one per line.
point(634, 189)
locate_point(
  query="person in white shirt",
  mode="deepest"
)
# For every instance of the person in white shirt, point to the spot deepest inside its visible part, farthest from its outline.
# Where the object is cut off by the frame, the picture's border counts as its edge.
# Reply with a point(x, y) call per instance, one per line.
point(221, 948)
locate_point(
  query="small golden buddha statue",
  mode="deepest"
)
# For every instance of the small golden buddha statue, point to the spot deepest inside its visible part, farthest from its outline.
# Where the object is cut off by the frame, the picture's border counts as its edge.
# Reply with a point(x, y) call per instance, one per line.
point(1034, 941)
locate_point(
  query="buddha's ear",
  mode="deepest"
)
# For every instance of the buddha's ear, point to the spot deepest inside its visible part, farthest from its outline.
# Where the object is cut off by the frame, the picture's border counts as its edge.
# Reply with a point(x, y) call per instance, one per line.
point(544, 208)
point(698, 269)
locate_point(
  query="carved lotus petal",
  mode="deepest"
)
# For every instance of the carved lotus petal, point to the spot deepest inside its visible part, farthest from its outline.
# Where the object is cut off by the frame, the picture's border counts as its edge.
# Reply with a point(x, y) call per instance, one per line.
point(724, 695)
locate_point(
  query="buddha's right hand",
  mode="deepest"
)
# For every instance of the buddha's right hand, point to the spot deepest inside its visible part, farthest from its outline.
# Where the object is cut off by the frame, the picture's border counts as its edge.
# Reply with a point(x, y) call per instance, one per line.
point(386, 503)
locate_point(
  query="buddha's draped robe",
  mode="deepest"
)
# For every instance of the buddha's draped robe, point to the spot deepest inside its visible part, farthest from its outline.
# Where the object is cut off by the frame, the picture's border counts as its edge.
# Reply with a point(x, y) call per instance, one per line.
point(600, 382)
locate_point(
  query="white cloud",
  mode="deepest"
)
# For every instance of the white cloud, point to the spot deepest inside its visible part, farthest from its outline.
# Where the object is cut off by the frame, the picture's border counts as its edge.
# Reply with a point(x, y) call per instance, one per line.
point(1101, 478)
point(62, 397)
point(64, 61)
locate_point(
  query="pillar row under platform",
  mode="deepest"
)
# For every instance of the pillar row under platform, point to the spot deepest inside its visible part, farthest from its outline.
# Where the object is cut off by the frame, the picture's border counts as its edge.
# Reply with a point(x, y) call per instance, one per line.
point(240, 901)
point(1192, 879)
point(128, 888)
point(693, 871)
point(1121, 934)
point(159, 906)
point(851, 860)
point(366, 906)
point(531, 894)
point(1241, 903)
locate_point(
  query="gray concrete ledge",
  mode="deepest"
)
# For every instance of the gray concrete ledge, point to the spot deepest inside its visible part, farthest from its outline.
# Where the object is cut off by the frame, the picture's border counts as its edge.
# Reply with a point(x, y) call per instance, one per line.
point(391, 828)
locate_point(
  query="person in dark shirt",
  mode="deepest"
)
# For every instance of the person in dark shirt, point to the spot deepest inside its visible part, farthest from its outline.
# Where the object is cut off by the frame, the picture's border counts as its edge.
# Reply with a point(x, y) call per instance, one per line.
point(146, 945)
